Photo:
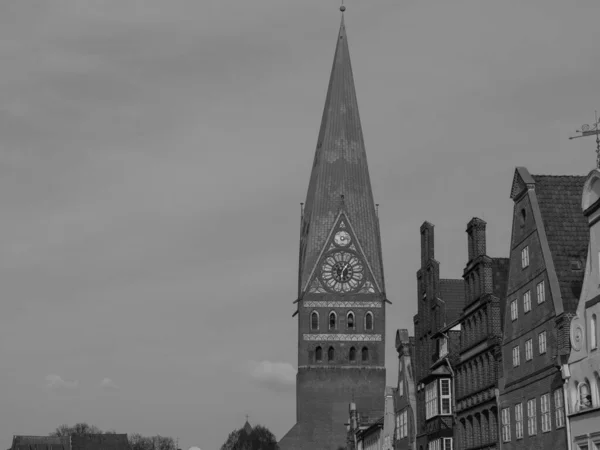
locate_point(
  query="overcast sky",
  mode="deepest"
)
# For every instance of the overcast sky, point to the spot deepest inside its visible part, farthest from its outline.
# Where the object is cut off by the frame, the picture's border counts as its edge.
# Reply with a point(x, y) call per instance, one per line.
point(153, 155)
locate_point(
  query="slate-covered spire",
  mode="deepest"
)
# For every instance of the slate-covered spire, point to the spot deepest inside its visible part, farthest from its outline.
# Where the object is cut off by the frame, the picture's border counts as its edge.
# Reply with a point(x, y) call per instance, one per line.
point(340, 177)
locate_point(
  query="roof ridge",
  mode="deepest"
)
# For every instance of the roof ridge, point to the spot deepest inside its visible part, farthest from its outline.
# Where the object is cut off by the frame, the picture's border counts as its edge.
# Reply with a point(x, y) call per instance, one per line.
point(460, 280)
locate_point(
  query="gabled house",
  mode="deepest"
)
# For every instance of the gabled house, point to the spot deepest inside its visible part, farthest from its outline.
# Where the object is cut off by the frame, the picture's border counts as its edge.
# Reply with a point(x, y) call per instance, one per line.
point(583, 374)
point(440, 302)
point(548, 248)
point(479, 355)
point(405, 395)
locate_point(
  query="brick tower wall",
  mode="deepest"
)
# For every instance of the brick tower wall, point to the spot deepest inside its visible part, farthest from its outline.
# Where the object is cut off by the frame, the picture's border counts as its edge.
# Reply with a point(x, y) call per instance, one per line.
point(323, 395)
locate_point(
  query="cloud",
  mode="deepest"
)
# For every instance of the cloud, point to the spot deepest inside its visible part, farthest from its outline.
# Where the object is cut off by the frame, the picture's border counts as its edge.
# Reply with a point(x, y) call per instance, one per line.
point(56, 383)
point(273, 375)
point(108, 385)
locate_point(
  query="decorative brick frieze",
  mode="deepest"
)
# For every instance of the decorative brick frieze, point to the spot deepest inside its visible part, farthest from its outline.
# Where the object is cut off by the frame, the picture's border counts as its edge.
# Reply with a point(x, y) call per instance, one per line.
point(342, 337)
point(340, 304)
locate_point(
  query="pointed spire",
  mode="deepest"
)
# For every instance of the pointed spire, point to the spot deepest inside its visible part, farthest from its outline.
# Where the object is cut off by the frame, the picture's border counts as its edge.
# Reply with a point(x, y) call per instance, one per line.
point(339, 171)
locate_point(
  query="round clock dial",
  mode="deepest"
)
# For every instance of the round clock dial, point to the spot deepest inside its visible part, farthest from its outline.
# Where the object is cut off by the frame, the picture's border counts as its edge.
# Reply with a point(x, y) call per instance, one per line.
point(342, 272)
point(342, 238)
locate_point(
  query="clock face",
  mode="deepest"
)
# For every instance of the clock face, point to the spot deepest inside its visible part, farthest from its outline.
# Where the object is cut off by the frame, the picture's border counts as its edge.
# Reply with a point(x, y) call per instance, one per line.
point(342, 272)
point(342, 238)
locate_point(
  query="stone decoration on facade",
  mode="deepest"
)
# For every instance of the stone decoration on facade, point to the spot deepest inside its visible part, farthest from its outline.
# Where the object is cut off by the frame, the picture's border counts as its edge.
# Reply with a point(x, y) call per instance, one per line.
point(583, 372)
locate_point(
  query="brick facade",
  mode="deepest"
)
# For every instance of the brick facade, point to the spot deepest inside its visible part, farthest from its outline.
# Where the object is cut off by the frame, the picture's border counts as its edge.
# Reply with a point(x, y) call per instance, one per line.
point(439, 303)
point(543, 281)
point(405, 401)
point(479, 356)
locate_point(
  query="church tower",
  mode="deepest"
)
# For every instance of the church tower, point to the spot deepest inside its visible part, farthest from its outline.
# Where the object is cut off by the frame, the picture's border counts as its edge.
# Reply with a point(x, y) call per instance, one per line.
point(341, 292)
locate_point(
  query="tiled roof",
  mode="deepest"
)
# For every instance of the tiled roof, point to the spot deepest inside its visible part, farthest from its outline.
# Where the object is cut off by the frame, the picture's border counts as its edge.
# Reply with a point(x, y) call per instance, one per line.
point(452, 292)
point(559, 199)
point(340, 169)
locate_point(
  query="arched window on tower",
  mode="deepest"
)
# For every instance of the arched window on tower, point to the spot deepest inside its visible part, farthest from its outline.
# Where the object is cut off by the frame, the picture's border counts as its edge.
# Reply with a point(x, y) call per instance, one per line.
point(330, 354)
point(593, 332)
point(352, 354)
point(332, 320)
point(314, 320)
point(350, 320)
point(369, 321)
point(319, 354)
point(365, 354)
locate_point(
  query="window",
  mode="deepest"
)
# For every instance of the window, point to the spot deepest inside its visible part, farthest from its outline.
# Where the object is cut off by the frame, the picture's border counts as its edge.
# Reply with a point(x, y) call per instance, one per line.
point(402, 424)
point(332, 320)
point(431, 400)
point(330, 354)
point(352, 354)
point(350, 320)
point(506, 425)
point(585, 398)
point(443, 347)
point(593, 333)
point(318, 354)
point(527, 301)
point(516, 356)
point(369, 321)
point(559, 408)
point(314, 320)
point(445, 396)
point(398, 426)
point(365, 354)
point(545, 407)
point(531, 417)
point(514, 310)
point(401, 388)
point(519, 421)
point(447, 444)
point(528, 350)
point(542, 342)
point(541, 293)
point(525, 257)
point(523, 217)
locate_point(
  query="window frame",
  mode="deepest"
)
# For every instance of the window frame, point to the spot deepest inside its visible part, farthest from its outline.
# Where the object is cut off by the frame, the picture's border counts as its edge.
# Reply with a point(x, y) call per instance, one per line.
point(367, 315)
point(529, 349)
point(540, 292)
point(335, 320)
point(542, 342)
point(505, 424)
point(431, 400)
point(559, 408)
point(593, 332)
point(525, 257)
point(545, 412)
point(447, 396)
point(314, 314)
point(519, 421)
point(527, 301)
point(531, 417)
point(348, 314)
point(514, 310)
point(516, 356)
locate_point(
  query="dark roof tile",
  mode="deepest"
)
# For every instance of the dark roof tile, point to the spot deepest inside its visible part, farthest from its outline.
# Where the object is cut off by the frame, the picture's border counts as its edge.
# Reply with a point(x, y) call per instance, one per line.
point(559, 199)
